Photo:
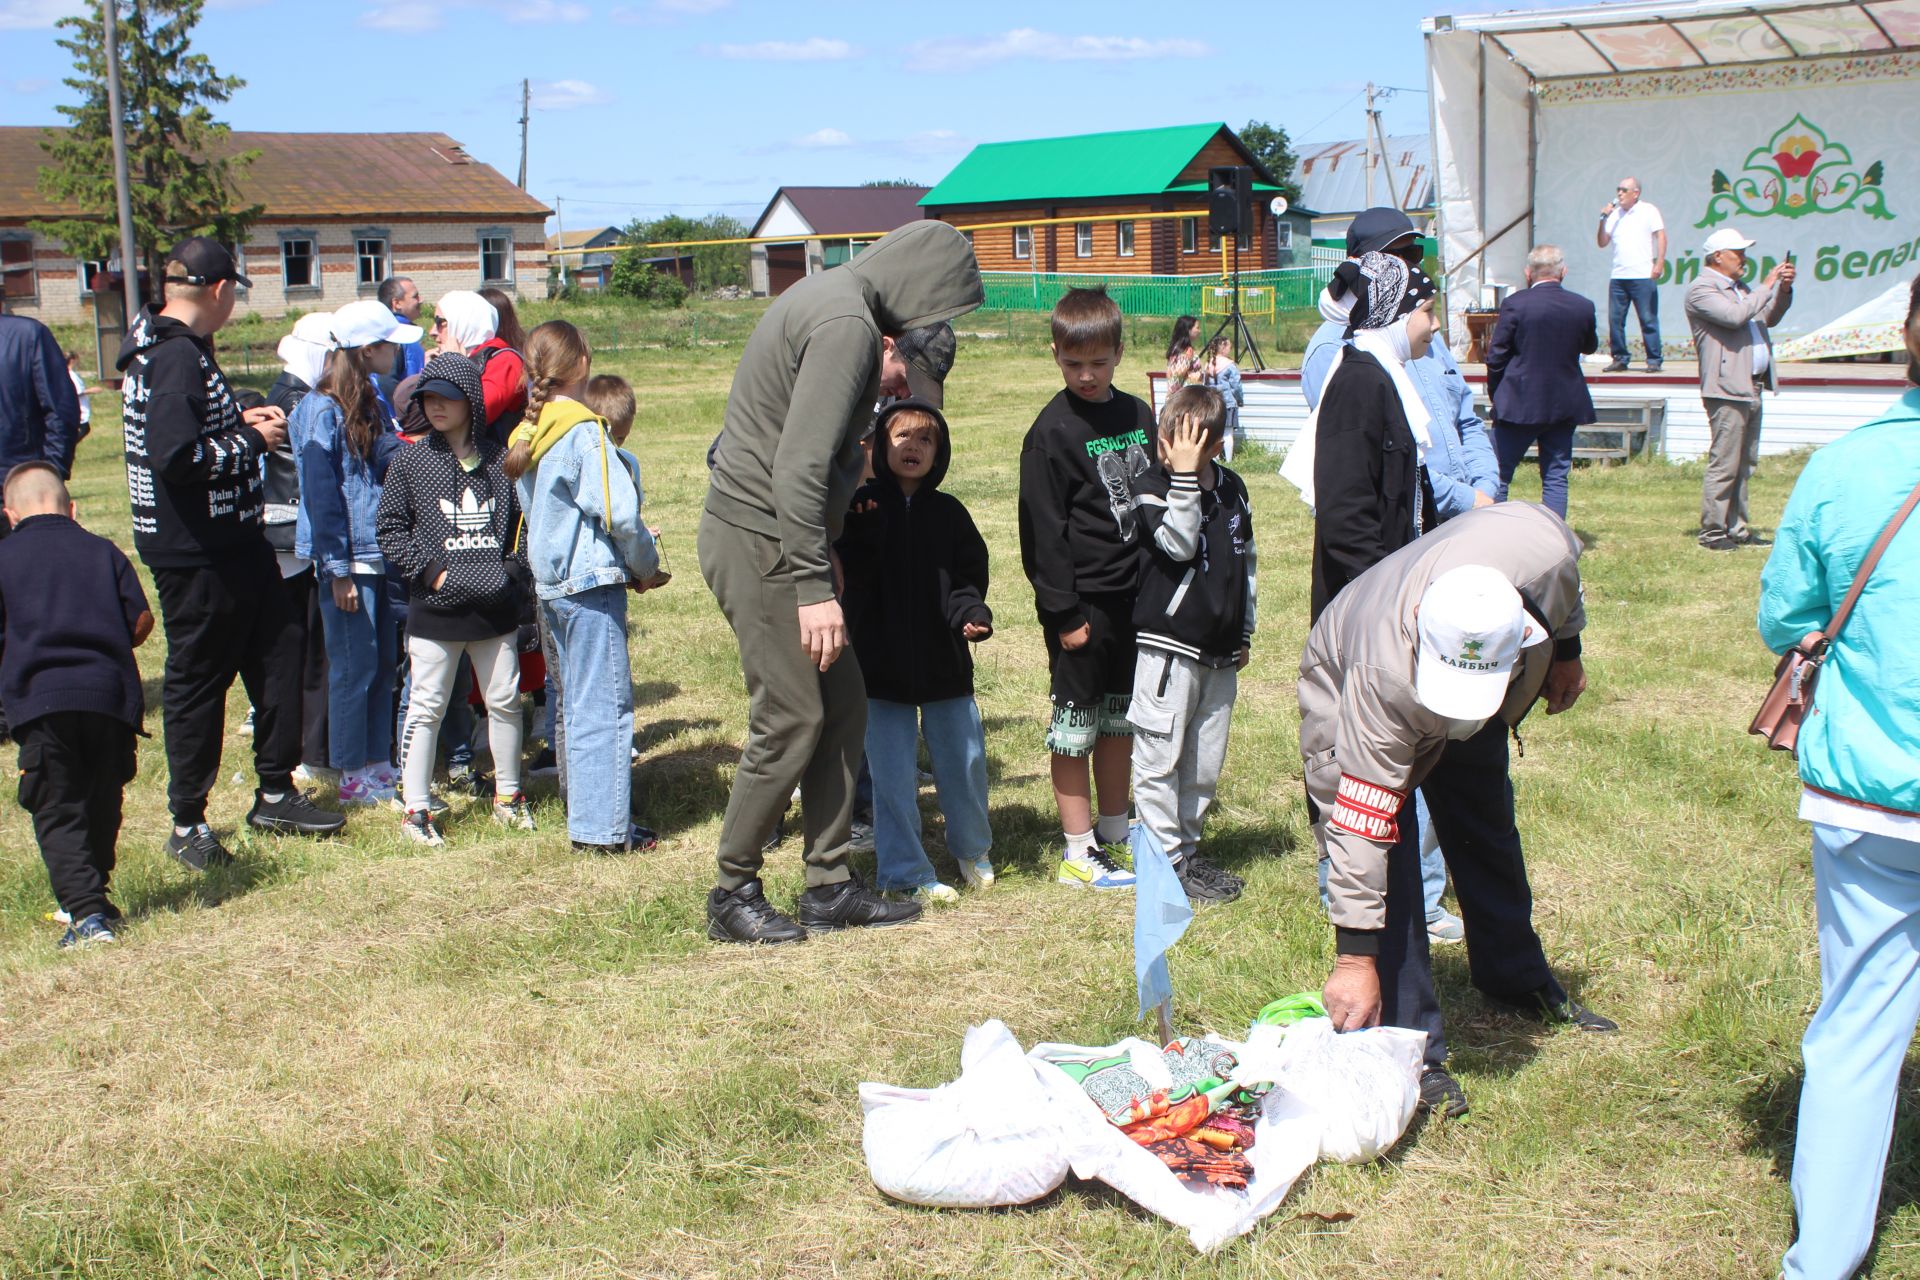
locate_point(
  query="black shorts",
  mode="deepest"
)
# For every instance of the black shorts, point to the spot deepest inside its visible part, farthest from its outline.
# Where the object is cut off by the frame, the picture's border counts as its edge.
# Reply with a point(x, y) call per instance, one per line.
point(1092, 685)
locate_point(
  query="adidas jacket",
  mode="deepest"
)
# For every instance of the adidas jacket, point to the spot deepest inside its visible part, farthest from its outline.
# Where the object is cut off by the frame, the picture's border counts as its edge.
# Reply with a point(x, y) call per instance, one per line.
point(193, 468)
point(1196, 576)
point(436, 515)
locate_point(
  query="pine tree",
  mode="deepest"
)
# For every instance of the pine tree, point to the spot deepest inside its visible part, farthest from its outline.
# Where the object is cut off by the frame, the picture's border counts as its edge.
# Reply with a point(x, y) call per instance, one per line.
point(180, 167)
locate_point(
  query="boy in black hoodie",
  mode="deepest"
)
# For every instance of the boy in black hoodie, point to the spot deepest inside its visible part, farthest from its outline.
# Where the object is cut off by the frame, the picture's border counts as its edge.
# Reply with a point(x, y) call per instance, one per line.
point(194, 479)
point(916, 588)
point(1194, 617)
point(1080, 545)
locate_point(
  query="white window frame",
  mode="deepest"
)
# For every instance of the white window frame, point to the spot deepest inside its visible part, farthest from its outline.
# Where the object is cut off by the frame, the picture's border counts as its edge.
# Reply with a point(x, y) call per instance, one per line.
point(968, 237)
point(239, 251)
point(495, 233)
point(33, 267)
point(1123, 237)
point(1243, 239)
point(383, 260)
point(1190, 235)
point(1022, 243)
point(1283, 233)
point(85, 275)
point(312, 241)
point(1083, 239)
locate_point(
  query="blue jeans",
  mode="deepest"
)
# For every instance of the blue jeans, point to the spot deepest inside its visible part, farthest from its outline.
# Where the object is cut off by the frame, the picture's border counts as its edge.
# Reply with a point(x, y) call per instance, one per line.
point(1556, 459)
point(1867, 891)
point(361, 660)
point(957, 741)
point(1644, 299)
point(590, 637)
point(1433, 864)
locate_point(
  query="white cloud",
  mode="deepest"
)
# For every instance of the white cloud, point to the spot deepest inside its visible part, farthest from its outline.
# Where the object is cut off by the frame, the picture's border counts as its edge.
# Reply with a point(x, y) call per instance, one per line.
point(961, 53)
point(544, 12)
point(824, 138)
point(27, 88)
point(660, 13)
point(408, 17)
point(812, 49)
point(565, 95)
point(36, 15)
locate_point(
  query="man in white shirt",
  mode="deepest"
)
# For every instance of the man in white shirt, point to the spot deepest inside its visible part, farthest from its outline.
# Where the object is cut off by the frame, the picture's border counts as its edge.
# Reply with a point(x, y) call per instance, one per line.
point(1638, 236)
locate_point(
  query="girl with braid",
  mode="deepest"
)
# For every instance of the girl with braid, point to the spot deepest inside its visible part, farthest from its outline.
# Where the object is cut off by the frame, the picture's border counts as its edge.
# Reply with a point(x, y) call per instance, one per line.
point(586, 546)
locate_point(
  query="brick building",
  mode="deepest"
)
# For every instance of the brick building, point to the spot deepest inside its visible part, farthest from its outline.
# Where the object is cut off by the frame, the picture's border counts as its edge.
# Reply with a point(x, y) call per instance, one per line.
point(343, 211)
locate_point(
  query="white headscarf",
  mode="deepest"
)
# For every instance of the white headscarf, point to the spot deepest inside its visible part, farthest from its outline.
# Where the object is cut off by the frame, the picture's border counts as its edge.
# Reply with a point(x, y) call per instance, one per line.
point(471, 319)
point(304, 351)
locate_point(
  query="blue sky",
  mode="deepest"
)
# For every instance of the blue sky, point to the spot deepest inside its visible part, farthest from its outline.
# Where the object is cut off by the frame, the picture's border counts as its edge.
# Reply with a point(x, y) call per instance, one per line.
point(648, 106)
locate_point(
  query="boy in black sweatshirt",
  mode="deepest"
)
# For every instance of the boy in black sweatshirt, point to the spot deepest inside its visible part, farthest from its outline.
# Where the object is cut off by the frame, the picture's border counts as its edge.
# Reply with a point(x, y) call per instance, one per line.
point(1080, 546)
point(1194, 618)
point(194, 479)
point(916, 588)
point(71, 613)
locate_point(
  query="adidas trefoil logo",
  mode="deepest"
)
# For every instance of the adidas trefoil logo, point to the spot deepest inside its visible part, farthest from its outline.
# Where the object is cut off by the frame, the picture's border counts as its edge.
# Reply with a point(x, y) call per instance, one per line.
point(472, 524)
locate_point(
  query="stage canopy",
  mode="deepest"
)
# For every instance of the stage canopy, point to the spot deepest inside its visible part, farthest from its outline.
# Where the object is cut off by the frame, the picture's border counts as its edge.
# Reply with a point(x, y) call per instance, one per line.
point(1795, 122)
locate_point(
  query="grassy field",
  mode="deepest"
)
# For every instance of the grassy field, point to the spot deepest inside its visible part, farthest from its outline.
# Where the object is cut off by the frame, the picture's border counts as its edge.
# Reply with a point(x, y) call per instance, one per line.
point(501, 1059)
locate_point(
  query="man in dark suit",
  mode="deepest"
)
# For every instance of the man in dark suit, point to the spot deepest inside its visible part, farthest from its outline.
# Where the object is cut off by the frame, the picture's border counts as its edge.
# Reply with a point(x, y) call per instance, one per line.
point(1533, 375)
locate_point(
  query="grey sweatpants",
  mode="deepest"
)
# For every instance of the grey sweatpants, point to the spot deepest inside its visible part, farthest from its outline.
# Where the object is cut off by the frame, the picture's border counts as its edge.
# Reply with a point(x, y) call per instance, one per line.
point(802, 726)
point(1181, 712)
point(1735, 447)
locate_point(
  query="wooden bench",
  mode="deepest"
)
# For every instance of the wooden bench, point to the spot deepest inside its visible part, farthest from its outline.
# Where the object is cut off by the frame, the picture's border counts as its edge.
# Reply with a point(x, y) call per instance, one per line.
point(1628, 427)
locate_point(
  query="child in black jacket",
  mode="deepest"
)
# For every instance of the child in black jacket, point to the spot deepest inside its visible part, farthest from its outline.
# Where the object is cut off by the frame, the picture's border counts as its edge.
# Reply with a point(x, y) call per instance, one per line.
point(447, 522)
point(1194, 618)
point(916, 587)
point(71, 613)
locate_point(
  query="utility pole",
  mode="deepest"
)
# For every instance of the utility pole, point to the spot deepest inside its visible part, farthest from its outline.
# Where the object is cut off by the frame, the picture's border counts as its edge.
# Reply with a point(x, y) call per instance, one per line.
point(560, 234)
point(1386, 165)
point(524, 97)
point(129, 263)
point(1368, 141)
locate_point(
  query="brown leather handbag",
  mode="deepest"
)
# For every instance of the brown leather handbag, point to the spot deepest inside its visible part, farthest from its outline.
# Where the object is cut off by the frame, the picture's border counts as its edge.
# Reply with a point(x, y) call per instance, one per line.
point(1790, 700)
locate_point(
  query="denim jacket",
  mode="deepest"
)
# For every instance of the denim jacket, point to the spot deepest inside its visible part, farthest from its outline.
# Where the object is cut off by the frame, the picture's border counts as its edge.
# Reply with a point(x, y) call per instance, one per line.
point(339, 489)
point(1463, 465)
point(581, 500)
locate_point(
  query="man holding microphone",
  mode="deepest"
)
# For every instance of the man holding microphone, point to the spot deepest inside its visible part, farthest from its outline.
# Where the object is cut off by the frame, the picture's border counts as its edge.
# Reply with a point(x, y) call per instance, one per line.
point(1638, 237)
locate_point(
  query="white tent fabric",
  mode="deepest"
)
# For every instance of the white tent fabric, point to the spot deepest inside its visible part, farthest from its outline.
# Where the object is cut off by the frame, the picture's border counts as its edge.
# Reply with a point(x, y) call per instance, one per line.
point(1488, 75)
point(1877, 326)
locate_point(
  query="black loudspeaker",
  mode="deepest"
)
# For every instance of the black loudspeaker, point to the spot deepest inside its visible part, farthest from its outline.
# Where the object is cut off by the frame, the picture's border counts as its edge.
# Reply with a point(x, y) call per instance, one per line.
point(1230, 199)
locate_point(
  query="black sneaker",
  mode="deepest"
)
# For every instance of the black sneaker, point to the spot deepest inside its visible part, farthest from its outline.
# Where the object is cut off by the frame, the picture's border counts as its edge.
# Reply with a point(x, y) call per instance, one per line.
point(1752, 539)
point(1536, 1007)
point(1653, 366)
point(1216, 874)
point(545, 765)
point(198, 849)
point(639, 840)
point(1201, 886)
point(745, 915)
point(779, 834)
point(1441, 1093)
point(851, 905)
point(1618, 366)
point(293, 814)
point(1719, 542)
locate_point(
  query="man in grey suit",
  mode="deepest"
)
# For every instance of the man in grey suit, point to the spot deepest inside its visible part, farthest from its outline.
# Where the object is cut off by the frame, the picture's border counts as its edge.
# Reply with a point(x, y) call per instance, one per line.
point(1729, 322)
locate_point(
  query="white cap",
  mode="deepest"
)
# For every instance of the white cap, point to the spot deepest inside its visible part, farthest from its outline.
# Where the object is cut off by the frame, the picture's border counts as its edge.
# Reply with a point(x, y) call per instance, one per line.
point(1472, 628)
point(1724, 238)
point(360, 324)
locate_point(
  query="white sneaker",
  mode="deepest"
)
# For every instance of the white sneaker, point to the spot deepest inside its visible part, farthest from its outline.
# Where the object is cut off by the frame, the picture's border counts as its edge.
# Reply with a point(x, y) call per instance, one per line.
point(978, 874)
point(928, 895)
point(418, 827)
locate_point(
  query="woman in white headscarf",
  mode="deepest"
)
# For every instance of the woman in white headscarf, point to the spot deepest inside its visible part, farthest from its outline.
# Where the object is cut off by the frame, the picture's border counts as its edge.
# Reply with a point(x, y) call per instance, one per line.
point(467, 323)
point(1371, 431)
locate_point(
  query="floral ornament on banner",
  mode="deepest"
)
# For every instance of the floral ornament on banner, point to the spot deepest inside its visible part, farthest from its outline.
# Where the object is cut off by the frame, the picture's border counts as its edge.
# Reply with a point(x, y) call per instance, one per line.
point(1797, 172)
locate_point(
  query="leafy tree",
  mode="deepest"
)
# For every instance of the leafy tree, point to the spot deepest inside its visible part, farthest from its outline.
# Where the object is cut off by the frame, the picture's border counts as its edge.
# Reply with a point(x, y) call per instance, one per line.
point(892, 182)
point(713, 265)
point(179, 164)
point(1272, 148)
point(632, 277)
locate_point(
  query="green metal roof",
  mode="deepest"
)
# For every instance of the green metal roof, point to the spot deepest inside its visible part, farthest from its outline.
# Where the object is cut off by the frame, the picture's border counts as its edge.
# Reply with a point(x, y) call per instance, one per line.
point(1135, 162)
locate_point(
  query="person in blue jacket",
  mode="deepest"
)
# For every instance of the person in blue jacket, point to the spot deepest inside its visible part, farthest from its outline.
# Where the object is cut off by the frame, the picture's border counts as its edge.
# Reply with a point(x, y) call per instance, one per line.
point(343, 436)
point(1859, 752)
point(1462, 471)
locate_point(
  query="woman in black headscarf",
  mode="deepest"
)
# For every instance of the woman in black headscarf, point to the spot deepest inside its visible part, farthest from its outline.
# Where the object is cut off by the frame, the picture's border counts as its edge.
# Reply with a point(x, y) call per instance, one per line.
point(1370, 493)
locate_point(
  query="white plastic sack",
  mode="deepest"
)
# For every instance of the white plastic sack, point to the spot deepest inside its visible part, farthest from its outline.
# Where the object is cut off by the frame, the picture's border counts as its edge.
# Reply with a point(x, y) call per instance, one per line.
point(1362, 1085)
point(1286, 1140)
point(986, 1139)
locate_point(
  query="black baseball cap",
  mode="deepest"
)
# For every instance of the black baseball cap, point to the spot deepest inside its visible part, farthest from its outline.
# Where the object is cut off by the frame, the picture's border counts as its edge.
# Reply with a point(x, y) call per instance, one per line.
point(929, 355)
point(207, 262)
point(1376, 228)
point(445, 388)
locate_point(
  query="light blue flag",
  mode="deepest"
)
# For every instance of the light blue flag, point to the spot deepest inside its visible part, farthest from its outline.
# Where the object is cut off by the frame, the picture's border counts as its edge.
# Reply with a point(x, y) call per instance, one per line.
point(1160, 915)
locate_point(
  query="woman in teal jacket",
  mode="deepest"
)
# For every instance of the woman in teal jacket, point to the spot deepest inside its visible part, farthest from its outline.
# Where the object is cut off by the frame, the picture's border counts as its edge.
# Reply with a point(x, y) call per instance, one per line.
point(1859, 756)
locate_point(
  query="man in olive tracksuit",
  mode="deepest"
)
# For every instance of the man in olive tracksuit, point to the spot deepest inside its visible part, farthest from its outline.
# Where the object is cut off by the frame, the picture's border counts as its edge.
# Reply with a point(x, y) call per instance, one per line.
point(783, 470)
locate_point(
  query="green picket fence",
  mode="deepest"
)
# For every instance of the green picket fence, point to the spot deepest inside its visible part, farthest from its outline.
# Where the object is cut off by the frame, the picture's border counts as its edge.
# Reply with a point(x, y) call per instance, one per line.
point(1291, 288)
